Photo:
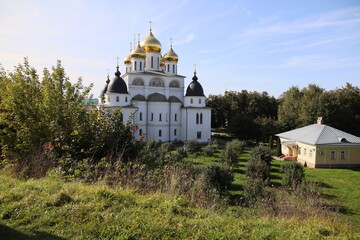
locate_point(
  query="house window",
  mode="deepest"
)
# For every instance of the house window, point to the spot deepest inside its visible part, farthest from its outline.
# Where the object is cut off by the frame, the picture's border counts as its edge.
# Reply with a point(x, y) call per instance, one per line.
point(152, 117)
point(160, 117)
point(310, 153)
point(332, 155)
point(201, 118)
point(117, 98)
point(198, 135)
point(152, 61)
point(160, 133)
point(197, 118)
point(299, 151)
point(175, 132)
point(140, 132)
point(191, 101)
point(342, 155)
point(140, 116)
point(175, 117)
point(304, 151)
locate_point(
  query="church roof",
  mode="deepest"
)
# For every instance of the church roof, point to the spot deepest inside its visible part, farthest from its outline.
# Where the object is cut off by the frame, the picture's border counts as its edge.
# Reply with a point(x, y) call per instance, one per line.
point(139, 97)
point(316, 134)
point(105, 87)
point(156, 97)
point(117, 84)
point(195, 88)
point(174, 99)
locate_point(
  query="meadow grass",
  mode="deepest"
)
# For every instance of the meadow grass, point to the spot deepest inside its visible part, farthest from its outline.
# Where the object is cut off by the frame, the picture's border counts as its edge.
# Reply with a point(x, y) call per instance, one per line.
point(51, 208)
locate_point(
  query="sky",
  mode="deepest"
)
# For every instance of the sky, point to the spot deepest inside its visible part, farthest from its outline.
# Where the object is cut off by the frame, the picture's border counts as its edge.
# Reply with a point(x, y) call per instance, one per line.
point(236, 45)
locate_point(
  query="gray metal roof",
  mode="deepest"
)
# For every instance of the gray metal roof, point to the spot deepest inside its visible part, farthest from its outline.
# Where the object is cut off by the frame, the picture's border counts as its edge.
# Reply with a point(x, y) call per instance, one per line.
point(320, 134)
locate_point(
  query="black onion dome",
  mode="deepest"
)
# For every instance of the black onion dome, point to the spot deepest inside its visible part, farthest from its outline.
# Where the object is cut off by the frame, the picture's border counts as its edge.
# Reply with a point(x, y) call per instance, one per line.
point(105, 88)
point(117, 84)
point(195, 88)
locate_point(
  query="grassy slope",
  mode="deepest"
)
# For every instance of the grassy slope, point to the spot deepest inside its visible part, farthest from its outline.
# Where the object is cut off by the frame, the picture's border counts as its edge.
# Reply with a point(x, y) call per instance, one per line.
point(40, 209)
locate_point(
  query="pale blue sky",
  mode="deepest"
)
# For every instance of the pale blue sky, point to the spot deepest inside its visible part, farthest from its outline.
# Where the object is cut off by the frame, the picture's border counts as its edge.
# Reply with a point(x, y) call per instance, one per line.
point(253, 45)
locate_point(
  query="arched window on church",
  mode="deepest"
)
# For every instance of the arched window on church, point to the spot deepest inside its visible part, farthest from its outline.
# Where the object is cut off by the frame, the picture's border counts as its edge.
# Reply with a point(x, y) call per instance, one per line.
point(191, 101)
point(152, 61)
point(201, 118)
point(117, 99)
point(197, 118)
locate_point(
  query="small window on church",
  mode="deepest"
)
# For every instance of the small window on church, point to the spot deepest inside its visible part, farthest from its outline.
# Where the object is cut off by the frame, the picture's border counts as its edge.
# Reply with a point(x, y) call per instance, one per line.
point(197, 118)
point(201, 118)
point(168, 67)
point(191, 101)
point(160, 133)
point(152, 61)
point(117, 99)
point(175, 117)
point(173, 68)
point(140, 116)
point(199, 100)
point(160, 119)
point(140, 65)
point(135, 65)
point(152, 117)
point(125, 99)
point(175, 132)
point(198, 135)
point(140, 132)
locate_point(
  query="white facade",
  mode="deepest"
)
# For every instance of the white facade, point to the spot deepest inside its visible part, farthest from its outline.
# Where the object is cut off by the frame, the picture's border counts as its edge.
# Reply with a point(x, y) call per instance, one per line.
point(152, 96)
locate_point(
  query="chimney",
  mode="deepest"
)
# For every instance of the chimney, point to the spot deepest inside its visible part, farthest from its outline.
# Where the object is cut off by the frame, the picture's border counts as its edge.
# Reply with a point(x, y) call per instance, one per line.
point(320, 121)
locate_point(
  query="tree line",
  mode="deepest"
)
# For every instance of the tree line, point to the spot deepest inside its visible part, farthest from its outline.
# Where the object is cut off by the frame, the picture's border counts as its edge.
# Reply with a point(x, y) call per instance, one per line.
point(257, 116)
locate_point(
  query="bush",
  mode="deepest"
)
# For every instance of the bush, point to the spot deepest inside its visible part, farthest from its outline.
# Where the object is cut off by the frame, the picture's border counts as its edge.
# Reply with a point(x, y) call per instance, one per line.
point(210, 149)
point(293, 174)
point(253, 189)
point(232, 152)
point(257, 169)
point(261, 153)
point(219, 177)
point(192, 146)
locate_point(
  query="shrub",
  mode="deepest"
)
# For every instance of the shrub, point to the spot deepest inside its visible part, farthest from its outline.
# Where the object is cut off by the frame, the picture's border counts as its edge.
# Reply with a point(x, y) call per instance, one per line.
point(210, 149)
point(232, 152)
point(261, 153)
point(219, 177)
point(293, 174)
point(253, 189)
point(192, 146)
point(257, 169)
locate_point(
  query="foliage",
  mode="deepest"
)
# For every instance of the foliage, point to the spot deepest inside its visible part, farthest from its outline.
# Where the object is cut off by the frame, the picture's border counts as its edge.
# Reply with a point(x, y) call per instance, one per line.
point(258, 169)
point(219, 177)
point(253, 189)
point(210, 149)
point(192, 146)
point(232, 152)
point(261, 153)
point(293, 174)
point(278, 147)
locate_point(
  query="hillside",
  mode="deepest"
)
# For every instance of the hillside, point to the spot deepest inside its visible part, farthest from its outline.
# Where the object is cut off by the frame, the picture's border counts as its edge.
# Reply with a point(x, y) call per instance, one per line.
point(51, 208)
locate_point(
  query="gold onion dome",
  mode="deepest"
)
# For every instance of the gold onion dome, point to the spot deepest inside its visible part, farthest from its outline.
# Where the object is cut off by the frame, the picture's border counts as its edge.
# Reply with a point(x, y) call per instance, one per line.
point(162, 61)
point(138, 52)
point(151, 44)
point(171, 56)
point(127, 60)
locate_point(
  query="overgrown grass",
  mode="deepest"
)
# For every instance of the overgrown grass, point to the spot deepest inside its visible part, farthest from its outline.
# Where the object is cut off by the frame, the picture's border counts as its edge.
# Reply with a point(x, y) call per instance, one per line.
point(50, 208)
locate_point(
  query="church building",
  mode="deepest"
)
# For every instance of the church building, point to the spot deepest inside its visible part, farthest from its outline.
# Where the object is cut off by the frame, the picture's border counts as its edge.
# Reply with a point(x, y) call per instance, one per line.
point(151, 96)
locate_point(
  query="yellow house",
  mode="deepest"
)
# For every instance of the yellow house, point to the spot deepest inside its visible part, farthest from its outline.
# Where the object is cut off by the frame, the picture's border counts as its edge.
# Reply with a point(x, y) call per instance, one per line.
point(321, 146)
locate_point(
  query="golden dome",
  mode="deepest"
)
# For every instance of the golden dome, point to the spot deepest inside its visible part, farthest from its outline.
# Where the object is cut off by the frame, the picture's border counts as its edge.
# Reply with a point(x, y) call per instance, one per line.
point(151, 44)
point(138, 52)
point(171, 56)
point(162, 61)
point(127, 60)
